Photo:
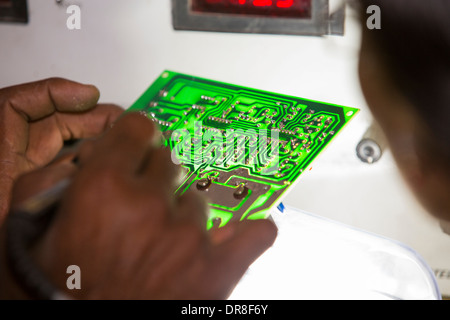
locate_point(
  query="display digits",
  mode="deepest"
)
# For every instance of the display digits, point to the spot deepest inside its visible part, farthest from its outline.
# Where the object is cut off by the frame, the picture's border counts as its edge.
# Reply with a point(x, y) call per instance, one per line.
point(256, 3)
point(285, 3)
point(265, 8)
point(262, 3)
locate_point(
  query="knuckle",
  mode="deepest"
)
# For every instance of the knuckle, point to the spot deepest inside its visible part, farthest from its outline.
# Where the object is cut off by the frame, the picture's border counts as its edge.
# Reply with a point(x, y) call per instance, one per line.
point(53, 80)
point(8, 99)
point(49, 84)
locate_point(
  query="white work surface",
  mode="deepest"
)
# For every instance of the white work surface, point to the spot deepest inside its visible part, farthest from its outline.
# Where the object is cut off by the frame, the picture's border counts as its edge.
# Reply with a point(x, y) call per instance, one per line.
point(124, 45)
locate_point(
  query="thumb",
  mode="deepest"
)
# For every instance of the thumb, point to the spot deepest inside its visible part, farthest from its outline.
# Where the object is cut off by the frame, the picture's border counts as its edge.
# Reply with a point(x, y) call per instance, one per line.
point(240, 244)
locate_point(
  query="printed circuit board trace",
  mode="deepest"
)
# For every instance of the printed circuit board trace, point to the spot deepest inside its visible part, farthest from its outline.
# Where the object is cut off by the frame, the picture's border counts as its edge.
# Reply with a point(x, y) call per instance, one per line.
point(241, 148)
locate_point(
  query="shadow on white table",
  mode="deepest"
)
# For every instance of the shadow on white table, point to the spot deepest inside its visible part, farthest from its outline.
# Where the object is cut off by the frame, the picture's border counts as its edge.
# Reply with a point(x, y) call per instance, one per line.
point(316, 258)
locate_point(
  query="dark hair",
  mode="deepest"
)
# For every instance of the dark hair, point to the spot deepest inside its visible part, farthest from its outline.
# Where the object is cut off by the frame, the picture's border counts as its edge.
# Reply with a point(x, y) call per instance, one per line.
point(414, 41)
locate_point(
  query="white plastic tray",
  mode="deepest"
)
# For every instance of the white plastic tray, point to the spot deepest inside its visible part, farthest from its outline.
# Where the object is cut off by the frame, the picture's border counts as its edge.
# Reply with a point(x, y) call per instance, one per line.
point(315, 258)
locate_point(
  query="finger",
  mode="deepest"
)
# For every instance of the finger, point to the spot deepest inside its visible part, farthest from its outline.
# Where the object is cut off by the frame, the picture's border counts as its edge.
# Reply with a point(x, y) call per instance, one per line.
point(244, 242)
point(124, 147)
point(191, 208)
point(47, 136)
point(37, 100)
point(88, 124)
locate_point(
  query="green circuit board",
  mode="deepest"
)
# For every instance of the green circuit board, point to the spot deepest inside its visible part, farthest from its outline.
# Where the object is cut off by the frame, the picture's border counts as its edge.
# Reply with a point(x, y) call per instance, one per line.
point(241, 148)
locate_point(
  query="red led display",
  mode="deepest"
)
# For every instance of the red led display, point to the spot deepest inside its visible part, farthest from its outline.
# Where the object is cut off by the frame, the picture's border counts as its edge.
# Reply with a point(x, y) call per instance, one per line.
point(266, 8)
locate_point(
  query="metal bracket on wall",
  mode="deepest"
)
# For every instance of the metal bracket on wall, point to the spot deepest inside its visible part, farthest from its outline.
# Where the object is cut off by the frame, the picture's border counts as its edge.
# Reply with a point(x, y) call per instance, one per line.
point(14, 11)
point(337, 21)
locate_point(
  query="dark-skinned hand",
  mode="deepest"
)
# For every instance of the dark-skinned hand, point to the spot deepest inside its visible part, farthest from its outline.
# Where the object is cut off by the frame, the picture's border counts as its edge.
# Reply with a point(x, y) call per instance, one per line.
point(35, 120)
point(120, 222)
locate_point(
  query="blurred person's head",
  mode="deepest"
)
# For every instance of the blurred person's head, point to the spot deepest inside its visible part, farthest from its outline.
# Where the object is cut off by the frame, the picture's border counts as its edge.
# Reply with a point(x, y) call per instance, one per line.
point(404, 70)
